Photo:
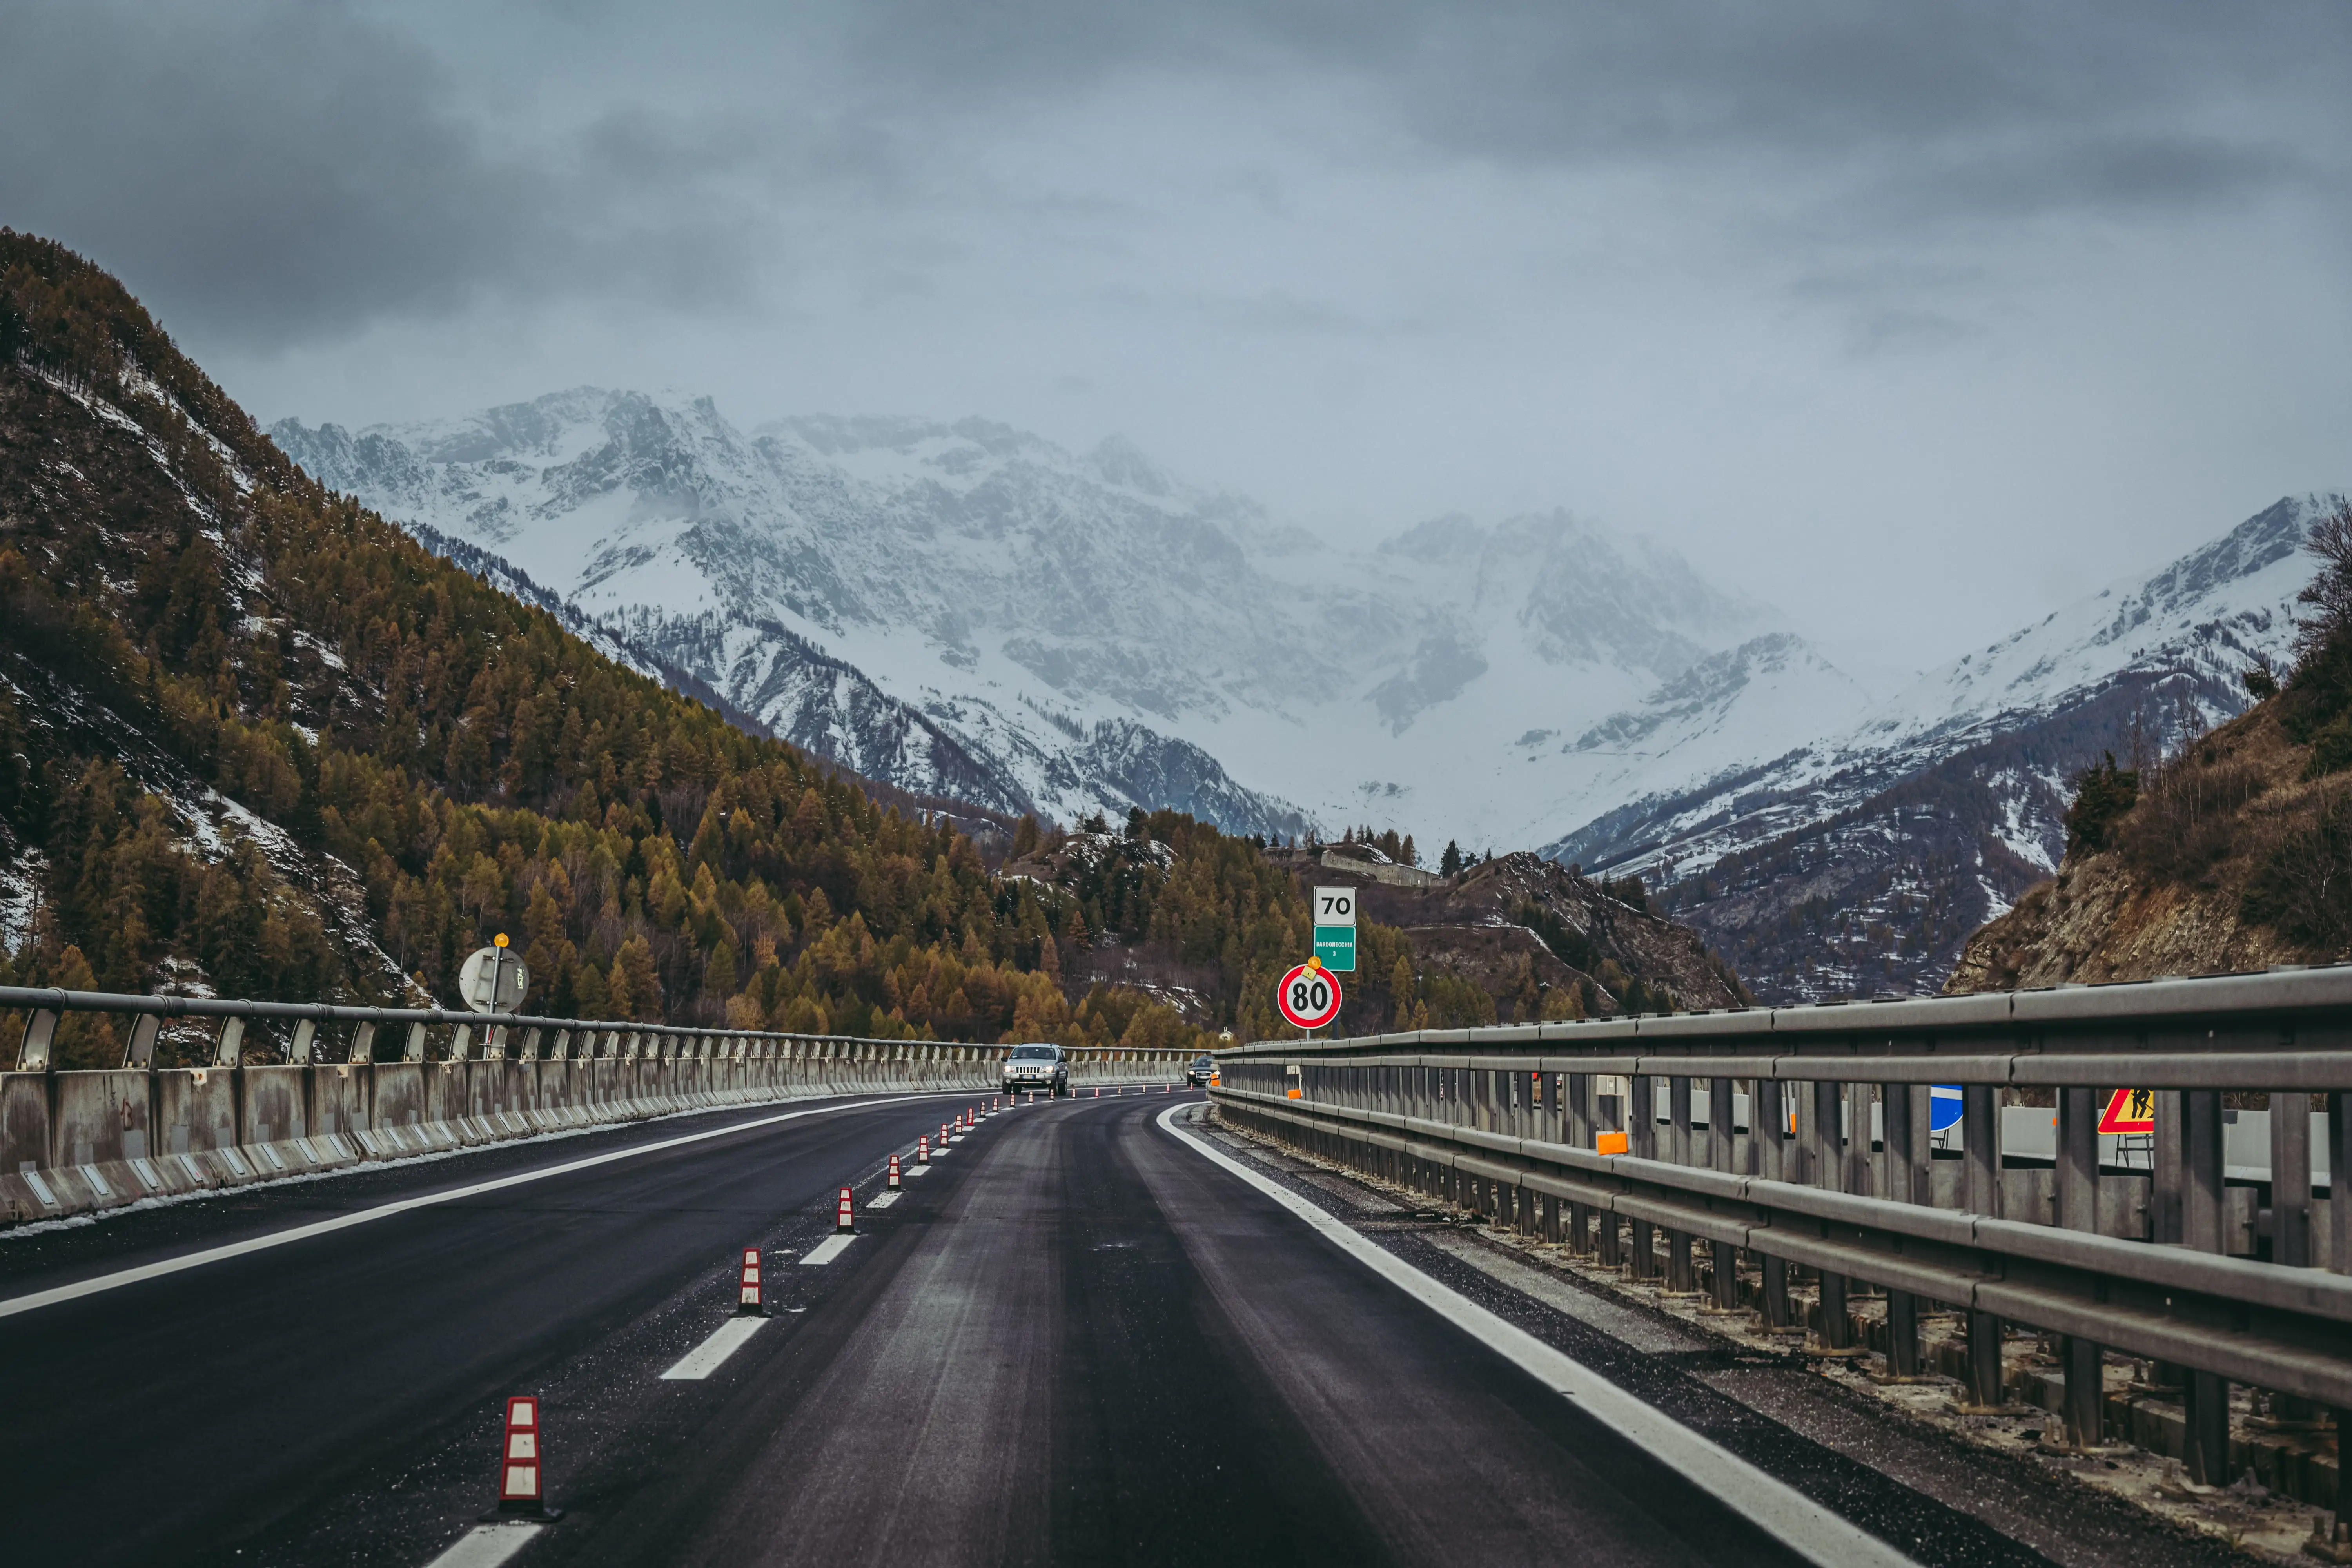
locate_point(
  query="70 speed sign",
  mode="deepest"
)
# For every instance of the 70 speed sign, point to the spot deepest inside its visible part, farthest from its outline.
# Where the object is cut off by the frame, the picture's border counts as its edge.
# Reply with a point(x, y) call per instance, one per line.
point(1308, 995)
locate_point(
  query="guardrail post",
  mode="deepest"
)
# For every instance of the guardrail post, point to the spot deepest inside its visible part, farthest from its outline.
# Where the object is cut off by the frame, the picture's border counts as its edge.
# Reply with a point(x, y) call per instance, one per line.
point(1722, 1132)
point(1768, 1156)
point(2339, 1262)
point(1682, 1278)
point(1829, 1169)
point(2078, 1210)
point(1980, 1194)
point(2291, 1209)
point(1902, 1183)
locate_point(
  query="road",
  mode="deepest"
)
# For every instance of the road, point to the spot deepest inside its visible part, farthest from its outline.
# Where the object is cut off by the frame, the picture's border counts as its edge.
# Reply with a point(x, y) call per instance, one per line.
point(1081, 1337)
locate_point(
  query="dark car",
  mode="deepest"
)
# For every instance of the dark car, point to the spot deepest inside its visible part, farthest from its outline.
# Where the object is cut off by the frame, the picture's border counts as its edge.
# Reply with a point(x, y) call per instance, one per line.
point(1203, 1072)
point(1037, 1066)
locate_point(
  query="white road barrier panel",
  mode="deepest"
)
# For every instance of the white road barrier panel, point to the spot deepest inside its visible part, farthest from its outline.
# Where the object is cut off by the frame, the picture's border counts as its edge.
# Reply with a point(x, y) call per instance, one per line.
point(1804, 1526)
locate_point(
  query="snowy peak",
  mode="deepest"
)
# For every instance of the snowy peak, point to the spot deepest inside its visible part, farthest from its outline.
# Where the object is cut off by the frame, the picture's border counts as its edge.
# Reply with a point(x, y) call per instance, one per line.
point(2210, 615)
point(1029, 601)
point(1701, 699)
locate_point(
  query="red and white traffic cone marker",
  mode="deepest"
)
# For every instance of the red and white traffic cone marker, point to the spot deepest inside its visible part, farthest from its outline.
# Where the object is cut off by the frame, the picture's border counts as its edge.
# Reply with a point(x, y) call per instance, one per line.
point(923, 1149)
point(520, 1492)
point(894, 1173)
point(946, 1137)
point(845, 1214)
point(750, 1301)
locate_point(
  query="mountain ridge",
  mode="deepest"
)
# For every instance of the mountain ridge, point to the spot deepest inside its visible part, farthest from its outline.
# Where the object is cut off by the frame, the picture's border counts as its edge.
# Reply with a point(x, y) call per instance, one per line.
point(985, 578)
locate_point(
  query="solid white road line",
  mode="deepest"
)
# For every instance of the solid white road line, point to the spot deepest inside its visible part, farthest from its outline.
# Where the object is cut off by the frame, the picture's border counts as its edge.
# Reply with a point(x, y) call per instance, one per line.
point(487, 1545)
point(826, 1251)
point(883, 1199)
point(1781, 1511)
point(707, 1357)
point(38, 1298)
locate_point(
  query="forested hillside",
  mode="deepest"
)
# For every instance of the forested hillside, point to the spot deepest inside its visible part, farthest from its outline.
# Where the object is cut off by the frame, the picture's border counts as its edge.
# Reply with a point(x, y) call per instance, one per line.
point(255, 742)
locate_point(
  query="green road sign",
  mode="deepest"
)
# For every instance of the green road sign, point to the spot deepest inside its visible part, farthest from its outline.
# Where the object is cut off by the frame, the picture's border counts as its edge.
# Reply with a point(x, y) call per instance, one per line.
point(1336, 946)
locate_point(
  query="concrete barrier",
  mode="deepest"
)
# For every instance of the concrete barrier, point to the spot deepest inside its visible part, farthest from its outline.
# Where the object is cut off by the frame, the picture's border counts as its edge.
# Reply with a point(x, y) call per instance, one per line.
point(395, 1127)
point(101, 1139)
point(73, 1142)
point(196, 1122)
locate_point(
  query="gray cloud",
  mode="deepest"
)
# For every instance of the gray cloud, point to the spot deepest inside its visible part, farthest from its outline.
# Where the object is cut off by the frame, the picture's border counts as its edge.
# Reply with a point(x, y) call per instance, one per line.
point(283, 172)
point(1811, 288)
point(1948, 89)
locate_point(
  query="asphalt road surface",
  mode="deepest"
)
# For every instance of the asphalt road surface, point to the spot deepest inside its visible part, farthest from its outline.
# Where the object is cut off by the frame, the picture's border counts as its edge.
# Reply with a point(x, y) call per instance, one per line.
point(1081, 1337)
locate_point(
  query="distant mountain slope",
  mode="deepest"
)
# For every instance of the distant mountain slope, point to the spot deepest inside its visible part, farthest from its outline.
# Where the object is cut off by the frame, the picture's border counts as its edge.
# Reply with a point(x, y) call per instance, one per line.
point(1861, 862)
point(1084, 626)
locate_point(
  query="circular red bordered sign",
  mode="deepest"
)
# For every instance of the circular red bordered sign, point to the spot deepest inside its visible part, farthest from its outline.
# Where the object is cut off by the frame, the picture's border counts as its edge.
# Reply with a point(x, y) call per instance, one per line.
point(1308, 995)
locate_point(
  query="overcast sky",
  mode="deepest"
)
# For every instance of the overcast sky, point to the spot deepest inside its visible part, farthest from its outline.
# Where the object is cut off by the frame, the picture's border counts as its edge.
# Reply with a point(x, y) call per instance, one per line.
point(1917, 318)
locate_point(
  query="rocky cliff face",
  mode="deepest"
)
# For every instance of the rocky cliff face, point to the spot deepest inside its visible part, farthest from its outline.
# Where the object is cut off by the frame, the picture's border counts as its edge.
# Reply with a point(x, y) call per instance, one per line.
point(2227, 860)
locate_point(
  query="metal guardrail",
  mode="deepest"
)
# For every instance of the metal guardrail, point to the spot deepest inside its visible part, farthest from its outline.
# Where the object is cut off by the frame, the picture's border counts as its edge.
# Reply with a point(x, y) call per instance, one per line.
point(89, 1139)
point(554, 1037)
point(1840, 1179)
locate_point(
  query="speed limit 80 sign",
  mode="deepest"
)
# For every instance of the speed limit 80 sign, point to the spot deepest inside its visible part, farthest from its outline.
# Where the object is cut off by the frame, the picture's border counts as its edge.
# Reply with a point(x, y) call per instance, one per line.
point(1308, 995)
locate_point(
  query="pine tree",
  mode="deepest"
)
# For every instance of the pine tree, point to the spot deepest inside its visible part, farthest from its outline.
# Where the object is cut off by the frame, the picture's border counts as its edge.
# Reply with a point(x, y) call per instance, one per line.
point(1450, 863)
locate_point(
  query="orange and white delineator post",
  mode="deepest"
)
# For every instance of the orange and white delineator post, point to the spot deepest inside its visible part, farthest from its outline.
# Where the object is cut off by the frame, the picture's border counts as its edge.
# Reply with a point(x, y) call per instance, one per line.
point(749, 1301)
point(519, 1489)
point(894, 1171)
point(845, 1216)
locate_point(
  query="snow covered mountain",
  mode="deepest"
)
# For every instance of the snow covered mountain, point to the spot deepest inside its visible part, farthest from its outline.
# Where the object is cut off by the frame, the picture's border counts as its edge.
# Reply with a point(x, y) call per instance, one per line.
point(969, 610)
point(1861, 860)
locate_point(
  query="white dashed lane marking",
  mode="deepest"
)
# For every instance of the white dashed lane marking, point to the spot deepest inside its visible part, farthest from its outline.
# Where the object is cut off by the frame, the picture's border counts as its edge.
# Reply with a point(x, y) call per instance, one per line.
point(711, 1353)
point(826, 1251)
point(487, 1545)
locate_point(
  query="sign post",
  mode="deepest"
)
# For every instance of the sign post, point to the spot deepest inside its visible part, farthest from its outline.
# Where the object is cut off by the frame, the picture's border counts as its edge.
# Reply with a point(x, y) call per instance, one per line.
point(1335, 928)
point(1308, 995)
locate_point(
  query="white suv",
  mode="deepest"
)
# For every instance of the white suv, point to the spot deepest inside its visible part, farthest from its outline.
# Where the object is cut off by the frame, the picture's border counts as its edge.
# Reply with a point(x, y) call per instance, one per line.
point(1037, 1066)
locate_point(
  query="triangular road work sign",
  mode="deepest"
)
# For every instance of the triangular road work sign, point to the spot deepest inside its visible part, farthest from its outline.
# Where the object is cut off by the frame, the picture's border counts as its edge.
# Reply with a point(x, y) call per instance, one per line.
point(2129, 1111)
